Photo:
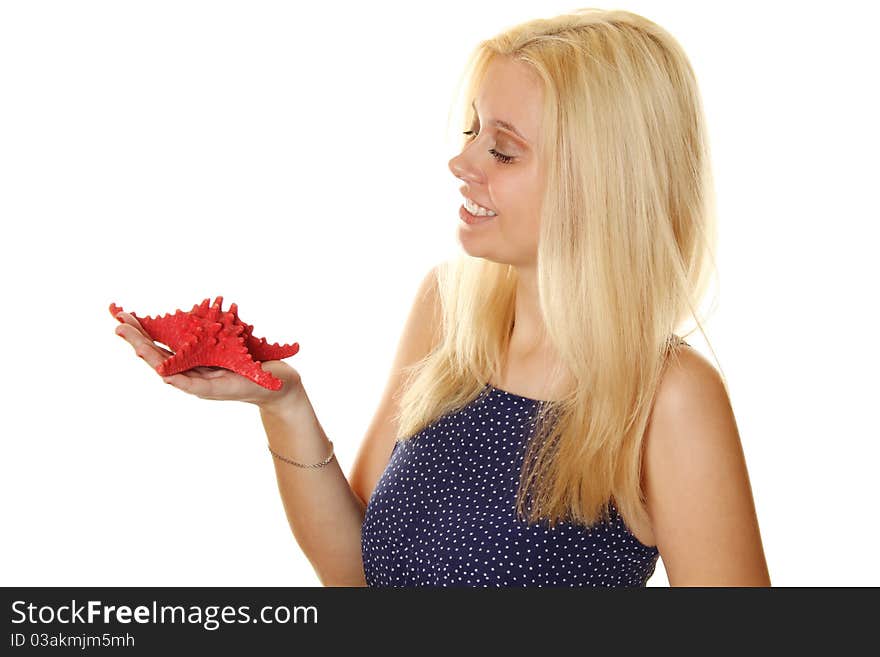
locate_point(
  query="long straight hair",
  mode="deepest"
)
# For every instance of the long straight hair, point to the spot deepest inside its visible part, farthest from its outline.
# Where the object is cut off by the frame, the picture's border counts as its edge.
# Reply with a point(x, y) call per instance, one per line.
point(625, 253)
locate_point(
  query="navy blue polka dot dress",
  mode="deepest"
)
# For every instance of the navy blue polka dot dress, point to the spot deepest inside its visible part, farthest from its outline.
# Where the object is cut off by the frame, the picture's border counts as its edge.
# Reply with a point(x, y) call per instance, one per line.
point(443, 513)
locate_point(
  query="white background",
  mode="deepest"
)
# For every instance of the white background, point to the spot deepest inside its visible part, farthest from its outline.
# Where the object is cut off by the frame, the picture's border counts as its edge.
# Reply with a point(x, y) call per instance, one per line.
point(293, 159)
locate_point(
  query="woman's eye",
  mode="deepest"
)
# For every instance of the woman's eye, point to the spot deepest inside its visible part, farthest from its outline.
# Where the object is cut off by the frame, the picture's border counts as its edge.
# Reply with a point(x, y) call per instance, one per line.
point(501, 157)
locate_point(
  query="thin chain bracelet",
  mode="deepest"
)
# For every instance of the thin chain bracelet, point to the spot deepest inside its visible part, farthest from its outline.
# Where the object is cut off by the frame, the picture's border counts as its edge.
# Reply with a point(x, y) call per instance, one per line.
point(304, 465)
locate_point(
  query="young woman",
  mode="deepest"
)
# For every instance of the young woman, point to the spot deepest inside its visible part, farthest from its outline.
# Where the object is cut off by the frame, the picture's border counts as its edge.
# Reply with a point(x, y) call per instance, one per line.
point(543, 425)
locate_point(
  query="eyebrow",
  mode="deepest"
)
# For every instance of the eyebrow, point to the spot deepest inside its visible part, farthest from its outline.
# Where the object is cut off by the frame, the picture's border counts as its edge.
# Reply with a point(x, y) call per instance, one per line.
point(503, 124)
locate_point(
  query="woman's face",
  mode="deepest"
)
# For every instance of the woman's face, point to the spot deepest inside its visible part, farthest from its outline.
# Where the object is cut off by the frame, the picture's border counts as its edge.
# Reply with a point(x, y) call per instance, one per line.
point(500, 169)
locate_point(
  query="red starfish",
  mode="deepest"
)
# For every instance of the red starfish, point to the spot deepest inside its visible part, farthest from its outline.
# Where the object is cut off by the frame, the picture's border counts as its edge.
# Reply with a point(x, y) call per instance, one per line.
point(210, 337)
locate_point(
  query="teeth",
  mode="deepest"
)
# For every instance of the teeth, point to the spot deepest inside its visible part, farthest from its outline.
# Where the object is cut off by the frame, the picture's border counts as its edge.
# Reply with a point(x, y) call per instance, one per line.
point(477, 210)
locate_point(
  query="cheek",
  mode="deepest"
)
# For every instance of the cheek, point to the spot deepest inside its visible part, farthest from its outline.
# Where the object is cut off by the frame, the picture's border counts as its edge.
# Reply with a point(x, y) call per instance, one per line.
point(519, 206)
point(515, 195)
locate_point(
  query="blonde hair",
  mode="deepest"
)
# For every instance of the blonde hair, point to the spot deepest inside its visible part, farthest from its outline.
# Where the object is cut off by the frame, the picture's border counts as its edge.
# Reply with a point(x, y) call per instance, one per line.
point(626, 239)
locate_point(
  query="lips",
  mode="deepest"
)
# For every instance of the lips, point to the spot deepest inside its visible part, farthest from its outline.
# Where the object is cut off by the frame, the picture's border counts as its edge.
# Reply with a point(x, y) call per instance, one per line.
point(472, 219)
point(480, 203)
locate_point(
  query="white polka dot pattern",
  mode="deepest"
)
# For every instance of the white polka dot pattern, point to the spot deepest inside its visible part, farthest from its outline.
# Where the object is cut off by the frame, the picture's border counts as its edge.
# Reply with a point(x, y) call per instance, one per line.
point(443, 513)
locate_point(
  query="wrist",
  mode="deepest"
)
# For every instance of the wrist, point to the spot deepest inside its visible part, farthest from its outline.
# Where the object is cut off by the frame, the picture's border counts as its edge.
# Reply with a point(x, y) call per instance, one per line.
point(289, 402)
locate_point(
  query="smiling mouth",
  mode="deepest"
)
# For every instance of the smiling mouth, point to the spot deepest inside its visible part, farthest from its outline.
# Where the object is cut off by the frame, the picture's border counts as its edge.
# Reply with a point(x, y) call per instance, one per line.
point(472, 219)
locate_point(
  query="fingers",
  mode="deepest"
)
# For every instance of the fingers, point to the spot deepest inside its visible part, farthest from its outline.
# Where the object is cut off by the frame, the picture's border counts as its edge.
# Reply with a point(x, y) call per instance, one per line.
point(200, 383)
point(199, 387)
point(144, 348)
point(129, 320)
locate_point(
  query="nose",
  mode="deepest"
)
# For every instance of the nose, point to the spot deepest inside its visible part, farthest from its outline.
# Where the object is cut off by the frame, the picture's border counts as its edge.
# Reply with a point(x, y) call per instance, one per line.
point(464, 169)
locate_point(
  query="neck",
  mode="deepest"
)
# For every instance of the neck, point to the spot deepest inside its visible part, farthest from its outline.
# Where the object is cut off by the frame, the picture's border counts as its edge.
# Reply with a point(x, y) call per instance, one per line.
point(528, 336)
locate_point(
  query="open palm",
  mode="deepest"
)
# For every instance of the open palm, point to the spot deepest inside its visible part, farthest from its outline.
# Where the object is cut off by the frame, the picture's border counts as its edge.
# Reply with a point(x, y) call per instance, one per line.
point(204, 381)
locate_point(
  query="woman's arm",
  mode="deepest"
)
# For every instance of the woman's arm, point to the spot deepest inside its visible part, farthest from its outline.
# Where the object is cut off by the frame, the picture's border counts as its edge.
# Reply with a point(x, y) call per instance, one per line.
point(322, 510)
point(325, 511)
point(697, 486)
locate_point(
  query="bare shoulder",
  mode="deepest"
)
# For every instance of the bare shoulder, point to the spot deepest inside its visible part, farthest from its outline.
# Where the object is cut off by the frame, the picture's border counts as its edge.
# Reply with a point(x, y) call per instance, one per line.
point(690, 379)
point(697, 487)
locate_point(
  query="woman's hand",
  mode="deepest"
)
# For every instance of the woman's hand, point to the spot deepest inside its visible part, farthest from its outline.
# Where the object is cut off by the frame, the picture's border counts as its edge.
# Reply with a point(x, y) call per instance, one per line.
point(212, 382)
